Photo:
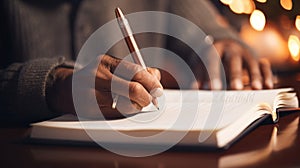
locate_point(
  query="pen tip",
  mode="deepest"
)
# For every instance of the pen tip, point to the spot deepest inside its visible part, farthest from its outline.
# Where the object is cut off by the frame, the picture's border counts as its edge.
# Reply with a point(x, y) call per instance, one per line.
point(157, 107)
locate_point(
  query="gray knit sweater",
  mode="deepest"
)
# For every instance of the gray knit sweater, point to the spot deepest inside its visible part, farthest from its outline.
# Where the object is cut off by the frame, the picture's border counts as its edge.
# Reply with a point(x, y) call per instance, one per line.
point(37, 36)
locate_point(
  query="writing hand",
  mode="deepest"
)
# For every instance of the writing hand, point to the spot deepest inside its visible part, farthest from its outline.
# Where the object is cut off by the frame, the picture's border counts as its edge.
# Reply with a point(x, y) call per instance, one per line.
point(130, 81)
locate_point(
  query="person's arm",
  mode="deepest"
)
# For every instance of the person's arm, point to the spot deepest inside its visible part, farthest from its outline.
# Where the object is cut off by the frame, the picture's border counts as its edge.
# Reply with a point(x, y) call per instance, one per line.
point(29, 52)
point(41, 89)
point(23, 90)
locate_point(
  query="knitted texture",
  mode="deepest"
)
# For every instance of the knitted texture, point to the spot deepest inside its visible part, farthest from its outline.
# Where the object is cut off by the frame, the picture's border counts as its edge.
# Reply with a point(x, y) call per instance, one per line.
point(23, 89)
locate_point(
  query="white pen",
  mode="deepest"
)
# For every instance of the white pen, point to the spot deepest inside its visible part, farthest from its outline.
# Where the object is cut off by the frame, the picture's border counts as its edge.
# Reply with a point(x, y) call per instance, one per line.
point(135, 52)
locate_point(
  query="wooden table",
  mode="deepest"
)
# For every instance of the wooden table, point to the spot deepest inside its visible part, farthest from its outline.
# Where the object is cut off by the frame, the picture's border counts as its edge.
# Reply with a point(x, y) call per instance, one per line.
point(273, 145)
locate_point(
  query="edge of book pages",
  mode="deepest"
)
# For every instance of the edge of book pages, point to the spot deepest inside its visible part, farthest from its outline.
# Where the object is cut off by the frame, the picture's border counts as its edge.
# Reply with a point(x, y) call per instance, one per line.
point(67, 129)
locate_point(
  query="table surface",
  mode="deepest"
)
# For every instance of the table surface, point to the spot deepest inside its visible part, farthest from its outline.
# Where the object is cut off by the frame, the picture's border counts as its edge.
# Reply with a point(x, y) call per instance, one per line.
point(270, 145)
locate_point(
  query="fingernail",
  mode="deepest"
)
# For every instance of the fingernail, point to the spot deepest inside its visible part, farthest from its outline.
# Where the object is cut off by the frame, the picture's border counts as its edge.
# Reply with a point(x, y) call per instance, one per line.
point(269, 83)
point(237, 84)
point(195, 85)
point(216, 84)
point(256, 84)
point(157, 92)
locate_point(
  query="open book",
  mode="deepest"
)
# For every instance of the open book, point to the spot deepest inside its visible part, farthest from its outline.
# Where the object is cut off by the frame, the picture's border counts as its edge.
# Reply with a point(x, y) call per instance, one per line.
point(186, 117)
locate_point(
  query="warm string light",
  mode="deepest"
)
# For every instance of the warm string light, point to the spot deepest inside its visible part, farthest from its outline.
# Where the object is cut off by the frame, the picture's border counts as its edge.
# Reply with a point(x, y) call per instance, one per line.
point(226, 2)
point(258, 20)
point(239, 7)
point(297, 22)
point(294, 47)
point(248, 7)
point(286, 4)
point(262, 1)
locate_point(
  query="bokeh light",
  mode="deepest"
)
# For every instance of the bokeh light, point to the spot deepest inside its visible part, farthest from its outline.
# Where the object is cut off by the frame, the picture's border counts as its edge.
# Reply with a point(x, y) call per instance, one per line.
point(237, 6)
point(286, 4)
point(226, 2)
point(258, 20)
point(297, 22)
point(262, 1)
point(294, 47)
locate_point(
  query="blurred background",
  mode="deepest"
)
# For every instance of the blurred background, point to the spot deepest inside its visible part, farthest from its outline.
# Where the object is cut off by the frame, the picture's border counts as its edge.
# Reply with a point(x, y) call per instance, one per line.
point(271, 27)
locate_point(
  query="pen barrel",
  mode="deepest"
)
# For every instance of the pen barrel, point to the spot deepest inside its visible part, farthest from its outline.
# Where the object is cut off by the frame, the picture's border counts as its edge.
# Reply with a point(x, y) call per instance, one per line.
point(134, 49)
point(130, 41)
point(136, 54)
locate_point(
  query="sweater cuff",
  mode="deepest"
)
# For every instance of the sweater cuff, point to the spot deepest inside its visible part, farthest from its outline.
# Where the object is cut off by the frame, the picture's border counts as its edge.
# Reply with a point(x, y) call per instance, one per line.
point(31, 93)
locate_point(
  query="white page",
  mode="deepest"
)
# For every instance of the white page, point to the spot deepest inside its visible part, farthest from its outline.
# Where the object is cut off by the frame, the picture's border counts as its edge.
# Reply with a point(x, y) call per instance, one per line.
point(185, 110)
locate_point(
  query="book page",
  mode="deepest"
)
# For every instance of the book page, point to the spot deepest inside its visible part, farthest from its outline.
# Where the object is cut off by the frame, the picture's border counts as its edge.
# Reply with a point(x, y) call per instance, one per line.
point(186, 110)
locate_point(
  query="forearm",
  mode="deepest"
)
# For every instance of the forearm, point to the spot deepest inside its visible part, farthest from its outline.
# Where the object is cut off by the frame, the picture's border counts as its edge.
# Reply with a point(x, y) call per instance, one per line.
point(23, 90)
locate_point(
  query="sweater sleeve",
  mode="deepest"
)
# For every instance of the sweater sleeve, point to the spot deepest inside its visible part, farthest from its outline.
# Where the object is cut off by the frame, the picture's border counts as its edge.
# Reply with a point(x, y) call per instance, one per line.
point(23, 90)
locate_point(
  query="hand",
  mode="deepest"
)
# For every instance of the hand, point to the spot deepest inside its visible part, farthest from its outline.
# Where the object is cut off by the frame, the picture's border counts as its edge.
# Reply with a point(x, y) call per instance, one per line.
point(130, 81)
point(234, 56)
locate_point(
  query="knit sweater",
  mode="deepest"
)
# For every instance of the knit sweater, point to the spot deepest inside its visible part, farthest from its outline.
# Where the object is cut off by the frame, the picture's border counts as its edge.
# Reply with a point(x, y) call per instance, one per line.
point(38, 36)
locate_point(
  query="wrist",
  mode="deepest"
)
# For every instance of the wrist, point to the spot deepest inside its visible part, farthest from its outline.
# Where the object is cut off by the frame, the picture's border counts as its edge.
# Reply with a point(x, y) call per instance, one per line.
point(59, 90)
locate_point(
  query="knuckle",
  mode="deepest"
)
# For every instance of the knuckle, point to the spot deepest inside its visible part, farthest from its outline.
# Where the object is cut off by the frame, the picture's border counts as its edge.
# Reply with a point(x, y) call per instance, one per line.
point(155, 72)
point(136, 107)
point(109, 62)
point(138, 76)
point(138, 73)
point(104, 58)
point(135, 88)
point(138, 94)
point(265, 63)
point(146, 101)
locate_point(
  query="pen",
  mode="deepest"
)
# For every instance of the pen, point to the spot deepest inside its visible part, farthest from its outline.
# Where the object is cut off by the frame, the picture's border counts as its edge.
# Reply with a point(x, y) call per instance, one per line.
point(134, 50)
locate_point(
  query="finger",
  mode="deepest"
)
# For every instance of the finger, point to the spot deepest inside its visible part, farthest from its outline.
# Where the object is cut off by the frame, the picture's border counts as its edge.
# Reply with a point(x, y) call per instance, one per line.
point(124, 105)
point(101, 69)
point(104, 100)
point(254, 71)
point(265, 67)
point(154, 72)
point(109, 62)
point(134, 72)
point(86, 75)
point(86, 106)
point(155, 93)
point(150, 82)
point(233, 55)
point(196, 84)
point(235, 71)
point(130, 89)
point(106, 81)
point(87, 109)
point(200, 73)
point(214, 63)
